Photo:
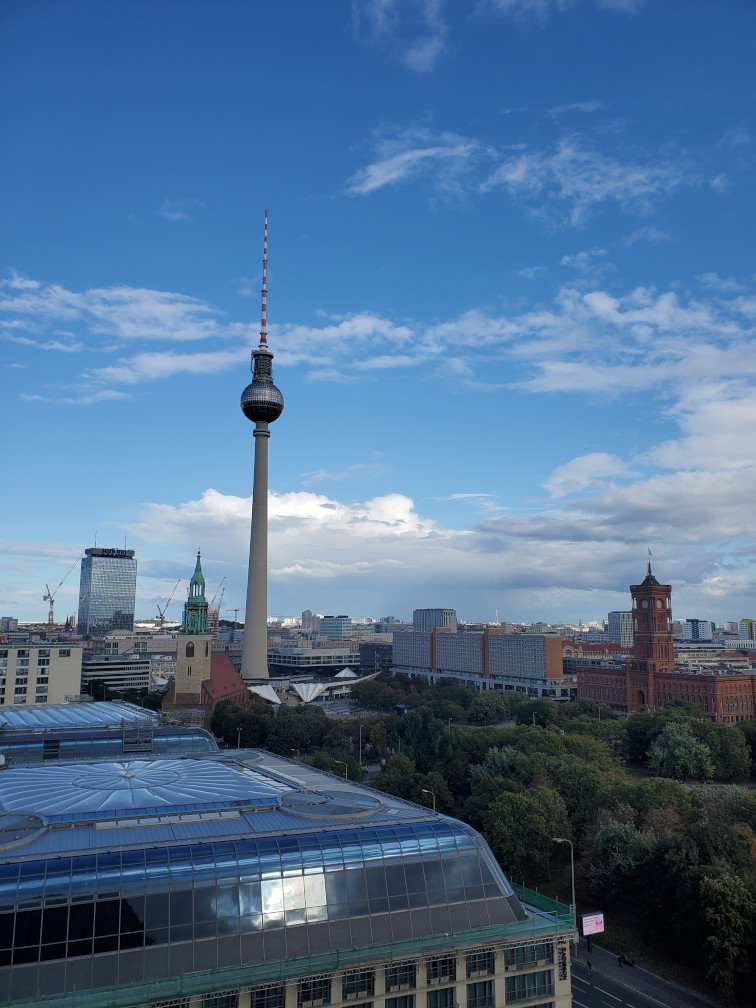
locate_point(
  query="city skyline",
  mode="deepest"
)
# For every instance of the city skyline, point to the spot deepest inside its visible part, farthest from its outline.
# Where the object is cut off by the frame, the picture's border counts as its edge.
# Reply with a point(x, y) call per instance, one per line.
point(511, 299)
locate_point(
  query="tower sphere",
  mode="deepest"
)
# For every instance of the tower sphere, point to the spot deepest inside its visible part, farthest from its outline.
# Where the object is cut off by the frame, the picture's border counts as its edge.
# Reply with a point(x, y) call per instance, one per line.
point(261, 400)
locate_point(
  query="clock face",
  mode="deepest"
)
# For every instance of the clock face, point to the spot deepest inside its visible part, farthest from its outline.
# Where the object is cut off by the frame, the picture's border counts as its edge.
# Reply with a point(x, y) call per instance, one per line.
point(644, 603)
point(658, 603)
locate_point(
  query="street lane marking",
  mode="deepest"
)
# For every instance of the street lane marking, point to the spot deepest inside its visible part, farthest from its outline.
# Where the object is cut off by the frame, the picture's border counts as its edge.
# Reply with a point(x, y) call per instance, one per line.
point(608, 994)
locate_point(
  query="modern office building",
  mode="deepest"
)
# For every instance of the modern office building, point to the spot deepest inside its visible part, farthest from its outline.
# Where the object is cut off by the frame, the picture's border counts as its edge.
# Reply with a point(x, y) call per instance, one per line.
point(698, 630)
point(620, 628)
point(107, 591)
point(425, 620)
point(245, 880)
point(39, 673)
point(335, 627)
point(747, 629)
point(489, 659)
point(92, 730)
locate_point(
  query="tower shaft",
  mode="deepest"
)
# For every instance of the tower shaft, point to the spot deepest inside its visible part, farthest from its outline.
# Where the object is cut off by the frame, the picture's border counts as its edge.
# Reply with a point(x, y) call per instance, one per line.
point(255, 648)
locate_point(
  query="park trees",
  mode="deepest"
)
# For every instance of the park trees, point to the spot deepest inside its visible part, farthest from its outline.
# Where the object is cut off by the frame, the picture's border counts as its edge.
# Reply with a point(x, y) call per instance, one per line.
point(520, 828)
point(678, 753)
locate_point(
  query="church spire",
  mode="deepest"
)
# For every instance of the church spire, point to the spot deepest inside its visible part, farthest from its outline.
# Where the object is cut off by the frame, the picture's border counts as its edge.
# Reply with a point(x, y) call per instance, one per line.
point(195, 608)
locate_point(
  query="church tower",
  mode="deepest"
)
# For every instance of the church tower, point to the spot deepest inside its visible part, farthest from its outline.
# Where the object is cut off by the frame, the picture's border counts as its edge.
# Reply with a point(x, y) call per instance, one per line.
point(194, 645)
point(653, 646)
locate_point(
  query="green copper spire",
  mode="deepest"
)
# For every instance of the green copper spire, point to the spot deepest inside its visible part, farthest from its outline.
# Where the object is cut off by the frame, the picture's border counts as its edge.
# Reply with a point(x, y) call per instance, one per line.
point(195, 608)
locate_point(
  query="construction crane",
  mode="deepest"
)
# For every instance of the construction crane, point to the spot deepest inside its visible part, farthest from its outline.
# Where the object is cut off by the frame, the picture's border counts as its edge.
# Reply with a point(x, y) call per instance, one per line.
point(163, 609)
point(236, 620)
point(214, 612)
point(49, 596)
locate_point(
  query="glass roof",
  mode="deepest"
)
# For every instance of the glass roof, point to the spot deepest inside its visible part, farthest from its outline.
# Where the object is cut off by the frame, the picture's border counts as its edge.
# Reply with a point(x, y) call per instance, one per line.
point(74, 715)
point(136, 784)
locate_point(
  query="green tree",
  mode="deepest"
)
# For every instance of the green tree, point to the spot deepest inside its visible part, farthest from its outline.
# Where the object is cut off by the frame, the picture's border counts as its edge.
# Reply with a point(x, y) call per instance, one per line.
point(729, 752)
point(641, 731)
point(748, 729)
point(538, 712)
point(619, 858)
point(520, 828)
point(678, 753)
point(729, 908)
point(425, 739)
point(488, 708)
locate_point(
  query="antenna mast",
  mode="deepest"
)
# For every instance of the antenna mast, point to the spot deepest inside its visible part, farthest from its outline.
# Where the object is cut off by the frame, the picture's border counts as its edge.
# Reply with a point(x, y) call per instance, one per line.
point(264, 322)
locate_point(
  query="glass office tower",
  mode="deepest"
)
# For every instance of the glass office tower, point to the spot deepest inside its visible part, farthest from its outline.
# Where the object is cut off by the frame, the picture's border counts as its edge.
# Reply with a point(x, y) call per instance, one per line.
point(107, 591)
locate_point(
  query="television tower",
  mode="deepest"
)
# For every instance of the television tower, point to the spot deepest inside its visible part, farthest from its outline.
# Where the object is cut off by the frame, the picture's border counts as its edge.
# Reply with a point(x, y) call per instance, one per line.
point(262, 403)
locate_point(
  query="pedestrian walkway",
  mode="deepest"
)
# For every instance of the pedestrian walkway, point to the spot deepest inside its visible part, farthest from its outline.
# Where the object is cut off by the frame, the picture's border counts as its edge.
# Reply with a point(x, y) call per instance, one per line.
point(635, 978)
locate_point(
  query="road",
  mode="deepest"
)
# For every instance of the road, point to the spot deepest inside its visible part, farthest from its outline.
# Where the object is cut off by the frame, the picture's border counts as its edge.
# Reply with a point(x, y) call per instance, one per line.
point(610, 985)
point(603, 992)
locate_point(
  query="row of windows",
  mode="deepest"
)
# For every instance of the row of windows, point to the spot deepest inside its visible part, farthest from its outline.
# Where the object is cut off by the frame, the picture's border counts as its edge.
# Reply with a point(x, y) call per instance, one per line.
point(23, 655)
point(316, 991)
point(84, 927)
point(454, 867)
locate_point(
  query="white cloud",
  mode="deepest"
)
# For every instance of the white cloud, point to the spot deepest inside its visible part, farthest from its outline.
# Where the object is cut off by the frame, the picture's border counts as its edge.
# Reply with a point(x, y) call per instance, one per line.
point(542, 8)
point(181, 209)
point(358, 469)
point(561, 561)
point(563, 183)
point(580, 179)
point(412, 163)
point(585, 471)
point(649, 234)
point(413, 30)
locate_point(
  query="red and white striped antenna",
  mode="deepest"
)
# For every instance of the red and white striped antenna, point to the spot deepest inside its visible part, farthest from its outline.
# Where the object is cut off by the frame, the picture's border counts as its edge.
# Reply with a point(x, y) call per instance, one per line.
point(264, 323)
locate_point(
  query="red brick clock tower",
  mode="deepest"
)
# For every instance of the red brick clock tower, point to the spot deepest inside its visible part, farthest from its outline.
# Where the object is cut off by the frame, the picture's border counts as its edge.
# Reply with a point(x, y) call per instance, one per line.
point(653, 648)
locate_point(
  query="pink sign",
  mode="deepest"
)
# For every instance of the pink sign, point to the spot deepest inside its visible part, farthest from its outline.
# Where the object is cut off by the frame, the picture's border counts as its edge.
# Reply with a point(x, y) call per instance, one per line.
point(593, 923)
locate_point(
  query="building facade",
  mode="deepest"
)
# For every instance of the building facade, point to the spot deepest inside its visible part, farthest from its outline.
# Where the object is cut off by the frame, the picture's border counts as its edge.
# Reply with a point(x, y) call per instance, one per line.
point(39, 673)
point(245, 880)
point(698, 629)
point(620, 628)
point(425, 620)
point(107, 591)
point(489, 659)
point(652, 677)
point(335, 627)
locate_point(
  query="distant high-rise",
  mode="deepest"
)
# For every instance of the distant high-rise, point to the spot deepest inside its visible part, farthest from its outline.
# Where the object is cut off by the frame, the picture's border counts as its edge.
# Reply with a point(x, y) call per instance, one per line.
point(425, 620)
point(262, 403)
point(620, 628)
point(698, 629)
point(107, 591)
point(335, 627)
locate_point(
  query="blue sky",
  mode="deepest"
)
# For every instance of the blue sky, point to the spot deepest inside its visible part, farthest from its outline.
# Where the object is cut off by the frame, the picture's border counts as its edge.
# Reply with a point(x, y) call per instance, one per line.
point(511, 299)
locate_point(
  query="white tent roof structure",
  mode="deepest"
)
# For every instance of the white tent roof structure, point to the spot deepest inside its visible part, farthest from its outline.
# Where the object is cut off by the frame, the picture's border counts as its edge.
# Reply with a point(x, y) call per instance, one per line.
point(266, 692)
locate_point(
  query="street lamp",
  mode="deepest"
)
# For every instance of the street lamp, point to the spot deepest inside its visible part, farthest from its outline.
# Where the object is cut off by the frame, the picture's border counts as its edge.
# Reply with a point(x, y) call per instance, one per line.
point(557, 839)
point(361, 727)
point(342, 763)
point(432, 794)
point(238, 739)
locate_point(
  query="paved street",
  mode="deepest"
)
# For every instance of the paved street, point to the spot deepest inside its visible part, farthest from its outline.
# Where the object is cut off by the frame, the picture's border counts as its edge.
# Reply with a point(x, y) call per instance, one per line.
point(613, 986)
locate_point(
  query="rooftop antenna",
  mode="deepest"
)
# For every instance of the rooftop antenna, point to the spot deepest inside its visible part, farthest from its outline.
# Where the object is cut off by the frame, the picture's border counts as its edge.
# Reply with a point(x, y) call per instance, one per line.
point(649, 559)
point(264, 321)
point(95, 537)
